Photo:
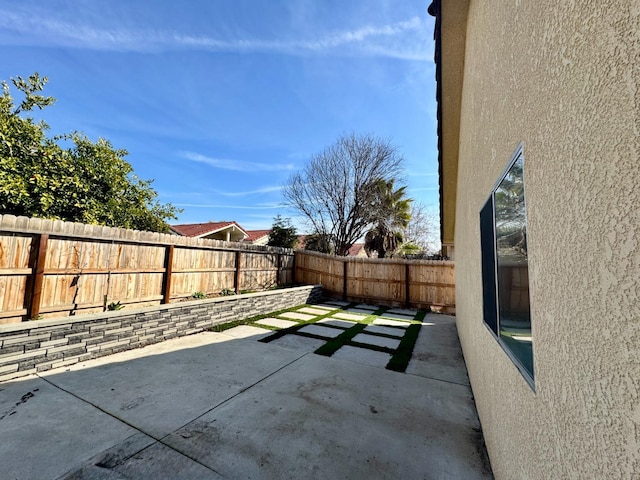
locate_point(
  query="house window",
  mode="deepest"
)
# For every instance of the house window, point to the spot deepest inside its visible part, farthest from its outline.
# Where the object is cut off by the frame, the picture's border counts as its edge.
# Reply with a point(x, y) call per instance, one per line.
point(505, 268)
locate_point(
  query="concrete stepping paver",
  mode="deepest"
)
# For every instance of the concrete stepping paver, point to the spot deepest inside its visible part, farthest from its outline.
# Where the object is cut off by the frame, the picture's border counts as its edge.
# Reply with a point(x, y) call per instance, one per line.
point(365, 306)
point(339, 303)
point(298, 342)
point(297, 316)
point(277, 322)
point(403, 311)
point(347, 316)
point(392, 323)
point(377, 341)
point(313, 311)
point(363, 356)
point(246, 331)
point(321, 331)
point(397, 316)
point(325, 306)
point(396, 332)
point(337, 323)
point(359, 310)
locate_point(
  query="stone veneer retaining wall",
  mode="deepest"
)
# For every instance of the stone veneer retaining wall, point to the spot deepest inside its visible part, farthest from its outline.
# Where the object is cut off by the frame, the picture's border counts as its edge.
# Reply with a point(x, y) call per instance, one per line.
point(40, 345)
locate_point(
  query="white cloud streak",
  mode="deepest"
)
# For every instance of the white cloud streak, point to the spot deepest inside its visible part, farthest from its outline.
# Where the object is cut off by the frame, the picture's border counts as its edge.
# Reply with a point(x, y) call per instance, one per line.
point(266, 206)
point(368, 40)
point(250, 192)
point(237, 165)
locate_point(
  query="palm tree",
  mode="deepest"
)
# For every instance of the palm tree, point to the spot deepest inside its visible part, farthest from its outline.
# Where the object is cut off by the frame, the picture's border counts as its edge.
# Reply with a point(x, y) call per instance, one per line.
point(390, 215)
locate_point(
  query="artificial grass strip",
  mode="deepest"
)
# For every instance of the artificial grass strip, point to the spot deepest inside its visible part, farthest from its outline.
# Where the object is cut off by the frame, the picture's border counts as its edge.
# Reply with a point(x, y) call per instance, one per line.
point(401, 357)
point(419, 317)
point(345, 337)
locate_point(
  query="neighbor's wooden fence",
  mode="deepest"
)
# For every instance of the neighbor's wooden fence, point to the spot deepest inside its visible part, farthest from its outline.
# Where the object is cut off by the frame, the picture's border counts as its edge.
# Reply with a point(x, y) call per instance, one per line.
point(408, 283)
point(54, 268)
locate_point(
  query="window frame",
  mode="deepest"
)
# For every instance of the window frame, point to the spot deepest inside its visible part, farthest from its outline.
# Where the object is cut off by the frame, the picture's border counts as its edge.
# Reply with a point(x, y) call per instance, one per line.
point(489, 269)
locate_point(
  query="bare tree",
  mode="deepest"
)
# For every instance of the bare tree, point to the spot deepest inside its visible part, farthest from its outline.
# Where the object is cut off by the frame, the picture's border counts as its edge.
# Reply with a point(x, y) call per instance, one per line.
point(335, 191)
point(422, 229)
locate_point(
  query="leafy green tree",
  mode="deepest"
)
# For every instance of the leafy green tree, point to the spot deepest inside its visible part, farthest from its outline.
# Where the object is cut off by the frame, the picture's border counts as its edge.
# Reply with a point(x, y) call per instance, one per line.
point(318, 242)
point(392, 214)
point(283, 233)
point(87, 182)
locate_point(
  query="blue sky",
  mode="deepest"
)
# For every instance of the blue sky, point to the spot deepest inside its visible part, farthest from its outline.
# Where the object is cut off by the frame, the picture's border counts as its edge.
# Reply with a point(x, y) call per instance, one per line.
point(219, 101)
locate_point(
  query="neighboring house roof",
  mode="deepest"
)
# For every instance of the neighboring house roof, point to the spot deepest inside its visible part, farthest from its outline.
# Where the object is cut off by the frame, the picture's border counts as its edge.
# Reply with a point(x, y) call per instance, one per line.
point(255, 235)
point(357, 250)
point(302, 240)
point(199, 230)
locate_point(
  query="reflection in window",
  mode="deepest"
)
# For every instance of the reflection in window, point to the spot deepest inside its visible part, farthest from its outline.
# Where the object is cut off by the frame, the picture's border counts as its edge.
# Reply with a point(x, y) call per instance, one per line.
point(505, 266)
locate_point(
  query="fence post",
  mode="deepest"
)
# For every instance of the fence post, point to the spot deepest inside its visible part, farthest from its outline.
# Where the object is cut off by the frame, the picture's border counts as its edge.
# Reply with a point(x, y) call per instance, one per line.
point(279, 271)
point(236, 278)
point(293, 269)
point(168, 270)
point(344, 281)
point(37, 276)
point(407, 275)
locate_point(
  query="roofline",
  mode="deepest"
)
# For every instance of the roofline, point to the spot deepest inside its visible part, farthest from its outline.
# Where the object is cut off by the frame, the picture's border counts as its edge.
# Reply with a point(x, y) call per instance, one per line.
point(209, 232)
point(435, 10)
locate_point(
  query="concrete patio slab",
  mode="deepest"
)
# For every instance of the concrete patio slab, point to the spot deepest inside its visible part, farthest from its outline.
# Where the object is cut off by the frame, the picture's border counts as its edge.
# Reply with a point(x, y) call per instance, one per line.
point(362, 355)
point(246, 331)
point(211, 405)
point(337, 323)
point(326, 418)
point(277, 322)
point(395, 332)
point(377, 341)
point(392, 323)
point(40, 431)
point(169, 384)
point(298, 342)
point(133, 462)
point(313, 311)
point(437, 353)
point(297, 316)
point(321, 331)
point(348, 316)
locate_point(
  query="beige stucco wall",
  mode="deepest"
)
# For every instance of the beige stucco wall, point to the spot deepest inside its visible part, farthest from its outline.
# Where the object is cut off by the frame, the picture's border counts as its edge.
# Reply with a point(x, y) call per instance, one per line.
point(564, 79)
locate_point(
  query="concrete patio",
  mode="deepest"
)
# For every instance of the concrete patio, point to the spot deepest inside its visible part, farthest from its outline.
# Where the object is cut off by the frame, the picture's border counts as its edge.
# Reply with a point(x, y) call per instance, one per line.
point(224, 405)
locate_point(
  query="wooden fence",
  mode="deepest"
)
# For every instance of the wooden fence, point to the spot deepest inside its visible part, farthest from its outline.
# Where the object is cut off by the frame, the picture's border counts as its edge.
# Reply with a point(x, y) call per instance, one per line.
point(407, 283)
point(54, 268)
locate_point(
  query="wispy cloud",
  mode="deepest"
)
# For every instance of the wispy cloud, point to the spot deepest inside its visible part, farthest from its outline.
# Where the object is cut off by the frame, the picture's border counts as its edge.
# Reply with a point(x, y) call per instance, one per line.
point(371, 40)
point(263, 206)
point(237, 165)
point(250, 192)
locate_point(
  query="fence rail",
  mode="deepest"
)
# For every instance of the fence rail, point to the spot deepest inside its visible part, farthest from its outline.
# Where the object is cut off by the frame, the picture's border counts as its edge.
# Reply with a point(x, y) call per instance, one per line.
point(54, 268)
point(407, 283)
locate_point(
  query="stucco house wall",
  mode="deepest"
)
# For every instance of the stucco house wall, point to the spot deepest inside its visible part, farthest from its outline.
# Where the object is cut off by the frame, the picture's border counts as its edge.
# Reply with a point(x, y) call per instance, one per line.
point(562, 78)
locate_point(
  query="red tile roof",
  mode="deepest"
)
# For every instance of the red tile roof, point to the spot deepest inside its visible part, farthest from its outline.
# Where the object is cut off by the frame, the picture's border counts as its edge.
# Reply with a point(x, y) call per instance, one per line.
point(202, 229)
point(256, 234)
point(355, 249)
